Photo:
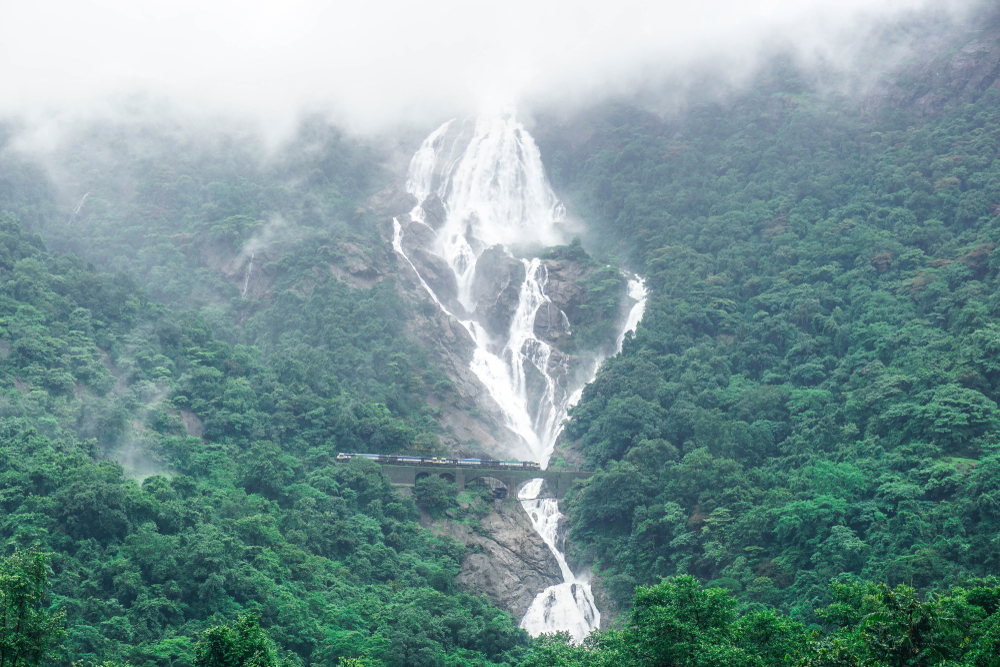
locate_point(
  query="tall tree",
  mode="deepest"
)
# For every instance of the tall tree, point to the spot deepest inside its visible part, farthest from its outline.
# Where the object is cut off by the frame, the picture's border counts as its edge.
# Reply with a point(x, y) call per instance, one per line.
point(243, 645)
point(28, 630)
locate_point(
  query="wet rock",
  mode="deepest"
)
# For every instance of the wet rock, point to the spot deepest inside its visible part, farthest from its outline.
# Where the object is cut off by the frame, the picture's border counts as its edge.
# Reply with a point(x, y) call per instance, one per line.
point(510, 564)
point(602, 598)
point(434, 212)
point(552, 325)
point(436, 273)
point(496, 289)
point(417, 236)
point(566, 290)
point(391, 202)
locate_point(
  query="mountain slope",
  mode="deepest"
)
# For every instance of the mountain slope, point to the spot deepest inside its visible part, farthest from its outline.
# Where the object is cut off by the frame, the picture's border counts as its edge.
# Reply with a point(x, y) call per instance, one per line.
point(812, 391)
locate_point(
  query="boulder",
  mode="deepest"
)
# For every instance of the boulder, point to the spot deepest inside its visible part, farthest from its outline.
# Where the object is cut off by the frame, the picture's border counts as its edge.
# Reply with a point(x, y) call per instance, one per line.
point(566, 288)
point(552, 324)
point(417, 235)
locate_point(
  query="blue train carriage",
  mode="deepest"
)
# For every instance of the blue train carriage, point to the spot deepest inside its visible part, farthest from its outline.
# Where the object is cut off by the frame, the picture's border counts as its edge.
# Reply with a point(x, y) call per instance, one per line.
point(518, 465)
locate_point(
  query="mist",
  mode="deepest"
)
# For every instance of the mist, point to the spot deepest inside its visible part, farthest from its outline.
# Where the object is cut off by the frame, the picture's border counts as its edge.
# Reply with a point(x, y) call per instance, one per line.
point(376, 64)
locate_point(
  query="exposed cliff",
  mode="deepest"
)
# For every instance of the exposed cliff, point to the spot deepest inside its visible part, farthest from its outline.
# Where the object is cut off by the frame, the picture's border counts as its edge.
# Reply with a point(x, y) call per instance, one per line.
point(471, 421)
point(506, 559)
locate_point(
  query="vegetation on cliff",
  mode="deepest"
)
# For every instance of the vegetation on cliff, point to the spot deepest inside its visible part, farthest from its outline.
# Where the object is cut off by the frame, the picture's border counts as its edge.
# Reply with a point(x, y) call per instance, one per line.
point(179, 478)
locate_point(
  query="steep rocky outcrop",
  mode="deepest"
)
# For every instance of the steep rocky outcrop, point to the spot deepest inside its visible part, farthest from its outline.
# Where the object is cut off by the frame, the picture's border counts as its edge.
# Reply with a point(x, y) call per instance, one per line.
point(434, 212)
point(578, 562)
point(567, 292)
point(496, 289)
point(567, 280)
point(506, 559)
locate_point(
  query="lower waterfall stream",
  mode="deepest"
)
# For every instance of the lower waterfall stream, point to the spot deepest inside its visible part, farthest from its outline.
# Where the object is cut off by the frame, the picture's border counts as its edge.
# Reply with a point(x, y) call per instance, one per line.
point(491, 184)
point(568, 606)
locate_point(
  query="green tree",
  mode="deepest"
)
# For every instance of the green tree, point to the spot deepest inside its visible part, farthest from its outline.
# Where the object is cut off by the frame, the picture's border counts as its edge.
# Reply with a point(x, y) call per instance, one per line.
point(243, 645)
point(434, 493)
point(879, 625)
point(28, 631)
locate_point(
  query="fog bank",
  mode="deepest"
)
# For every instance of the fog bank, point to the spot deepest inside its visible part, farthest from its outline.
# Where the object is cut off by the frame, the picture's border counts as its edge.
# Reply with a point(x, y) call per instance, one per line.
point(383, 62)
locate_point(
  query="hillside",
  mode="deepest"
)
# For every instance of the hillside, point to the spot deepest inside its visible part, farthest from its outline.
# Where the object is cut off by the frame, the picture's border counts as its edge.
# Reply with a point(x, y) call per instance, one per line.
point(812, 393)
point(796, 454)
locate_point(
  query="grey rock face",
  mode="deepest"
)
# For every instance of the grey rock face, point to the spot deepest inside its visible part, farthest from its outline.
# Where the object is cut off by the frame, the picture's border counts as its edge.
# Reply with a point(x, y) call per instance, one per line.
point(415, 234)
point(434, 212)
point(496, 290)
point(566, 290)
point(953, 67)
point(436, 272)
point(512, 565)
point(552, 324)
point(392, 202)
point(974, 69)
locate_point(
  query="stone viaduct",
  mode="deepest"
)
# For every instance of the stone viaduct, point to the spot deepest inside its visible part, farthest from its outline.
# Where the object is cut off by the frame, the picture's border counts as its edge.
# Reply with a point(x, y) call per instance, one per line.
point(559, 482)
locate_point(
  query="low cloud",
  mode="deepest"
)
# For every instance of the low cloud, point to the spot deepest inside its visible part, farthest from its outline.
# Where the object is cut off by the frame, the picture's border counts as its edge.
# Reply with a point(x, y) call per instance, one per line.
point(382, 62)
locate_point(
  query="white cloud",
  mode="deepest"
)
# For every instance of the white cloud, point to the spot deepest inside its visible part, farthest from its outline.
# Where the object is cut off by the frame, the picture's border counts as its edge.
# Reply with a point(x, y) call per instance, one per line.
point(381, 61)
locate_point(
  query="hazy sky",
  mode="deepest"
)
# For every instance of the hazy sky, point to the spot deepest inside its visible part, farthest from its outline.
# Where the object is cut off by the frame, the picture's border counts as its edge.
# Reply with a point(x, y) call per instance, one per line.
point(379, 61)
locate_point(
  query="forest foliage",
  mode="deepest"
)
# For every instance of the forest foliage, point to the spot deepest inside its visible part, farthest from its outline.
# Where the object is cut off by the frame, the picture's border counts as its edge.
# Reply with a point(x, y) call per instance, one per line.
point(813, 390)
point(171, 445)
point(797, 452)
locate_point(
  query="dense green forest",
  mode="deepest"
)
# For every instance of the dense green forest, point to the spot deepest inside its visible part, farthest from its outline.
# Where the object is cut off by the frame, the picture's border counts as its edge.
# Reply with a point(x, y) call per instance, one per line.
point(797, 454)
point(813, 390)
point(170, 443)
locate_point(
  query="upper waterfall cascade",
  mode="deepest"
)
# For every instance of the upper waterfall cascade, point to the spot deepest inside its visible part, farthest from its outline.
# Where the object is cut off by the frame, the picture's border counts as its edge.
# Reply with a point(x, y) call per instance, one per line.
point(488, 175)
point(480, 186)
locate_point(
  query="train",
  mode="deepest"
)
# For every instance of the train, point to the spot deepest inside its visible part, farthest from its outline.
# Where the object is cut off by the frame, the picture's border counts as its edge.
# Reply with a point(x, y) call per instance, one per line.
point(407, 460)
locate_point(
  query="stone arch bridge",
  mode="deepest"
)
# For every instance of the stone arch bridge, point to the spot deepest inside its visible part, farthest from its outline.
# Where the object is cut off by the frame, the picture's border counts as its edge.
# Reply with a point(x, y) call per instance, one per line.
point(558, 482)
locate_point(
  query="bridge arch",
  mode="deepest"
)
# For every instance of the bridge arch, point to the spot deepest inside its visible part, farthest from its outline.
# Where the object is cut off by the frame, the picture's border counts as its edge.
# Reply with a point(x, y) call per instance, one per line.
point(447, 476)
point(498, 486)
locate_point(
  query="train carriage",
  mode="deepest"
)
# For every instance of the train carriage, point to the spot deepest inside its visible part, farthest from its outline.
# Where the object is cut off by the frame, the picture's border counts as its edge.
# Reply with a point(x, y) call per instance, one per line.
point(408, 460)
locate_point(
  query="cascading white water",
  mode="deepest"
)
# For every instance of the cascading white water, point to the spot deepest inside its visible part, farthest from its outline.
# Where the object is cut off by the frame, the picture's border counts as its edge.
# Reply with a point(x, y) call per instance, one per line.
point(246, 281)
point(568, 606)
point(488, 180)
point(489, 176)
point(637, 292)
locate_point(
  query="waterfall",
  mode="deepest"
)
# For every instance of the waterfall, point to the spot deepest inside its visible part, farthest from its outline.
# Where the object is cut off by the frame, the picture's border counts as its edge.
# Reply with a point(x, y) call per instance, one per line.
point(568, 606)
point(636, 292)
point(246, 281)
point(480, 185)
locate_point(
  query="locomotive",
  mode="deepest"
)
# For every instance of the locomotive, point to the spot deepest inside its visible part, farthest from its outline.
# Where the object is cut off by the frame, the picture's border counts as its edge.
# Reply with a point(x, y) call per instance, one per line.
point(407, 460)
